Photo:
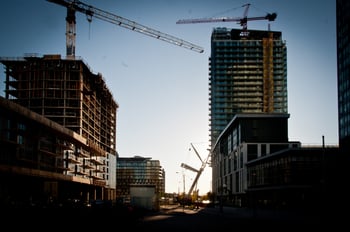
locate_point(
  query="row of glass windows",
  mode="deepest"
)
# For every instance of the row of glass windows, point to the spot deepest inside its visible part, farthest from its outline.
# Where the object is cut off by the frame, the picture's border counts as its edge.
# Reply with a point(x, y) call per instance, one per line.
point(247, 43)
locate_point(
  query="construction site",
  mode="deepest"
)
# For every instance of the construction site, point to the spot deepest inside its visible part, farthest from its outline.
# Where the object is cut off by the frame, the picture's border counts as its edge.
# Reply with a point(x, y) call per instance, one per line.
point(68, 95)
point(58, 122)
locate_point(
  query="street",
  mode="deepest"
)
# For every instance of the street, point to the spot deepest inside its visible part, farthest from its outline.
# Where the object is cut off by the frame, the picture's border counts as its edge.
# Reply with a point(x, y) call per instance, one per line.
point(171, 218)
point(213, 219)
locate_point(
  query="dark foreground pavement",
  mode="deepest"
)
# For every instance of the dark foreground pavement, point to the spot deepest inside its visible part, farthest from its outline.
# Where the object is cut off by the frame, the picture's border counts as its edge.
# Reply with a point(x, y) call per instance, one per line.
point(172, 218)
point(230, 218)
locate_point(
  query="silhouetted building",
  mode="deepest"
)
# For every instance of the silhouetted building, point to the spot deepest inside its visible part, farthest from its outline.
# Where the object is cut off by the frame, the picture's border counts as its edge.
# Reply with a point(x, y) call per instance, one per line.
point(296, 178)
point(254, 165)
point(343, 62)
point(58, 125)
point(246, 138)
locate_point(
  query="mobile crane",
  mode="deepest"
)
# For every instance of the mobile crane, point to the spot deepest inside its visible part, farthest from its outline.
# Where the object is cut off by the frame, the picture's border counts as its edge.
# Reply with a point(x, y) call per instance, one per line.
point(242, 21)
point(90, 11)
point(199, 172)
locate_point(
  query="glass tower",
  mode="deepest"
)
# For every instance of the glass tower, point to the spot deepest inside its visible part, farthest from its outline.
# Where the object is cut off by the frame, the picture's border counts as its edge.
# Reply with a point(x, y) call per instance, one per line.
point(247, 74)
point(343, 62)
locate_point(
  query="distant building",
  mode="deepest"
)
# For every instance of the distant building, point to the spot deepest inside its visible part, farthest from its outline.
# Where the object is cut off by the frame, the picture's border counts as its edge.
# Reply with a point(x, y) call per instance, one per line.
point(248, 74)
point(343, 62)
point(58, 124)
point(140, 182)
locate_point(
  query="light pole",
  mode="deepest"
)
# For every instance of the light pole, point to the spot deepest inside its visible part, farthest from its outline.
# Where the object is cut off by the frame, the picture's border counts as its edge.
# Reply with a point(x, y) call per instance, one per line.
point(184, 195)
point(178, 185)
point(184, 182)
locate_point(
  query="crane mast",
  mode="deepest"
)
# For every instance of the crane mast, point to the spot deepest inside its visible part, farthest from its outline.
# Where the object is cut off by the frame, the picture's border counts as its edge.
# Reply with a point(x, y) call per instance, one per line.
point(90, 11)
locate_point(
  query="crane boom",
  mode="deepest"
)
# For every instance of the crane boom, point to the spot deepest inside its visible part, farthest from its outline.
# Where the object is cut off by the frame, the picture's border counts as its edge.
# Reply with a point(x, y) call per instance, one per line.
point(90, 11)
point(269, 17)
point(199, 172)
point(242, 21)
point(189, 167)
point(195, 150)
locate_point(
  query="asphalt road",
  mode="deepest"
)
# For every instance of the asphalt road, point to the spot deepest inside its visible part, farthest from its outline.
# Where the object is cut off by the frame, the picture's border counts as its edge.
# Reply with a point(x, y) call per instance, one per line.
point(172, 218)
point(232, 219)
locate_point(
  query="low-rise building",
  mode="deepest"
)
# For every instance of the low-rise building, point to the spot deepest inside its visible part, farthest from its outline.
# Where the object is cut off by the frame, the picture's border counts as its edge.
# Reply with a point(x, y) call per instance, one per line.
point(254, 165)
point(247, 137)
point(140, 182)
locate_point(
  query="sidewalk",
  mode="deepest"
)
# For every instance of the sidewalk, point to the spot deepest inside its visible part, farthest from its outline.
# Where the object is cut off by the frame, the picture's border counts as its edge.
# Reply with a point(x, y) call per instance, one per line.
point(316, 217)
point(257, 215)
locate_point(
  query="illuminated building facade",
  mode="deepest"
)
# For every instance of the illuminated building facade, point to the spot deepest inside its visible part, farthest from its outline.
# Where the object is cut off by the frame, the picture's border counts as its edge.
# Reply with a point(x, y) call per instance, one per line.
point(247, 74)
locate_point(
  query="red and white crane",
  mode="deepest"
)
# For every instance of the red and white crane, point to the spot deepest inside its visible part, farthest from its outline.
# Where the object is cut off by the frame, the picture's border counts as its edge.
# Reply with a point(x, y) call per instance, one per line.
point(90, 11)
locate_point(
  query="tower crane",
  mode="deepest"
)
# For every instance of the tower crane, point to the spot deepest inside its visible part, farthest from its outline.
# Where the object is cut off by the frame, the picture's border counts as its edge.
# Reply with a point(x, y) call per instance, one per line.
point(242, 21)
point(90, 11)
point(199, 172)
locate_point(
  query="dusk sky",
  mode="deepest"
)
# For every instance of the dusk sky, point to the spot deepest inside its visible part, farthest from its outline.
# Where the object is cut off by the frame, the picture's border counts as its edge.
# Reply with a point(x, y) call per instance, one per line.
point(162, 89)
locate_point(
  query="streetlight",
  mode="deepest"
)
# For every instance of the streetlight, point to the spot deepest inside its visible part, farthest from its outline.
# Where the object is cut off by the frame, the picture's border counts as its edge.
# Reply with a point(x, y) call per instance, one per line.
point(178, 186)
point(184, 189)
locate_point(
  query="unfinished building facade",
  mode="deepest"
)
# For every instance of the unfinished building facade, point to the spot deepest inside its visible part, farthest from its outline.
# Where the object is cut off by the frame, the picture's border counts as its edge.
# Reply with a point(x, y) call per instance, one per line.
point(67, 93)
point(247, 74)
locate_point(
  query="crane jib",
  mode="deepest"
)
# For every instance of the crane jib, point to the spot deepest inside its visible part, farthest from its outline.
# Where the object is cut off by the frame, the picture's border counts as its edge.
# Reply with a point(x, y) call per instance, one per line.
point(74, 5)
point(241, 20)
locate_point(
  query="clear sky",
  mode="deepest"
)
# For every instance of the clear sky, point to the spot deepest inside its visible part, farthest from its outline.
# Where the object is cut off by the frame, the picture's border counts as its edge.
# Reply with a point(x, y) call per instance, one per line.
point(162, 89)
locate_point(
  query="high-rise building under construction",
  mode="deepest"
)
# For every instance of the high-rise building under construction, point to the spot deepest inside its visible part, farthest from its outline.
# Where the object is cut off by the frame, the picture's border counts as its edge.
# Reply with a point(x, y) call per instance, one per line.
point(58, 131)
point(247, 74)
